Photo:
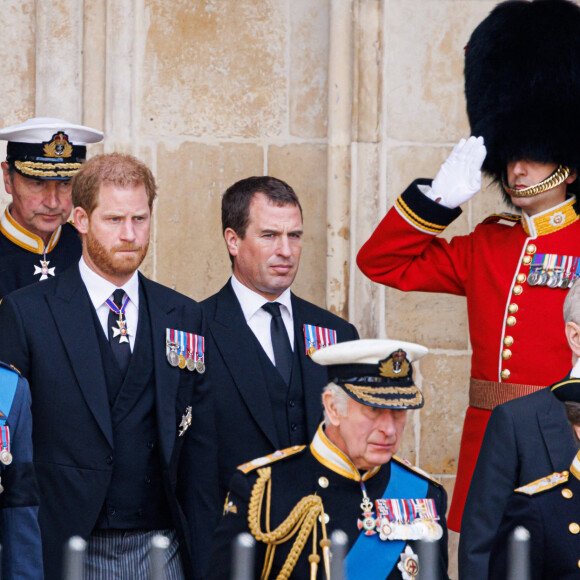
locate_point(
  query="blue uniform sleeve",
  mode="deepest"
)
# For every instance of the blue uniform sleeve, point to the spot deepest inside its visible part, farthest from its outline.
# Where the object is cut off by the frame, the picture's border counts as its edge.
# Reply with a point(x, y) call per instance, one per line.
point(19, 530)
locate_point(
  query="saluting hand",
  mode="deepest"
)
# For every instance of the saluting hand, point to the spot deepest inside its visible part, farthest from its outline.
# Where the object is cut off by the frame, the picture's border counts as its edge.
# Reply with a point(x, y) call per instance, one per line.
point(459, 178)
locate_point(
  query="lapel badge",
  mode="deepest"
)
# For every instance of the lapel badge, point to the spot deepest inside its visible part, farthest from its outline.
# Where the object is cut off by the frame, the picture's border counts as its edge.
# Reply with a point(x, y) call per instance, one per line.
point(409, 564)
point(229, 506)
point(185, 421)
point(316, 337)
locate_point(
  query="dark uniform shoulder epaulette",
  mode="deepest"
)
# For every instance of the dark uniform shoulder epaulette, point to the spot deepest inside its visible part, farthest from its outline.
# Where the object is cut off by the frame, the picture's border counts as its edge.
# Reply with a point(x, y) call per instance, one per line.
point(505, 218)
point(416, 470)
point(267, 459)
point(544, 484)
point(9, 367)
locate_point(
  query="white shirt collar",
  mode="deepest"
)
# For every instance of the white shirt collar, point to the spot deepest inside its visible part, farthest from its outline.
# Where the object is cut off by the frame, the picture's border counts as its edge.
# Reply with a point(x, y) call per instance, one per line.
point(251, 302)
point(100, 289)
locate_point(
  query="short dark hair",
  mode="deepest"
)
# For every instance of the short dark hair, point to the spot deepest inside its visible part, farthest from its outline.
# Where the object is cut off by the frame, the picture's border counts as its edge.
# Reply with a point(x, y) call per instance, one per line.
point(238, 197)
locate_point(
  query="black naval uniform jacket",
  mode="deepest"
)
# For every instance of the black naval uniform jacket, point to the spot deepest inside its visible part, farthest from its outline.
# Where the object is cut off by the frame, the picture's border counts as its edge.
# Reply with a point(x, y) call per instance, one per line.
point(525, 439)
point(48, 331)
point(21, 253)
point(19, 530)
point(298, 475)
point(241, 386)
point(550, 510)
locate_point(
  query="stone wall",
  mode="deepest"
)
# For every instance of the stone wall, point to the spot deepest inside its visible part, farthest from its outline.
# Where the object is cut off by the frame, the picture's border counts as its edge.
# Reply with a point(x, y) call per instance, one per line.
point(347, 100)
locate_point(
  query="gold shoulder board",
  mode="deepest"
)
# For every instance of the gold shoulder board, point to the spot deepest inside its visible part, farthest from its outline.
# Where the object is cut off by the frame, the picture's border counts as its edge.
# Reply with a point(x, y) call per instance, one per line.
point(544, 483)
point(266, 460)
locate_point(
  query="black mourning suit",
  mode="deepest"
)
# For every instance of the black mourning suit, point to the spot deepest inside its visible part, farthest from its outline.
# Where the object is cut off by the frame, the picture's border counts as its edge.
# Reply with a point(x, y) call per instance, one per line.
point(119, 463)
point(257, 413)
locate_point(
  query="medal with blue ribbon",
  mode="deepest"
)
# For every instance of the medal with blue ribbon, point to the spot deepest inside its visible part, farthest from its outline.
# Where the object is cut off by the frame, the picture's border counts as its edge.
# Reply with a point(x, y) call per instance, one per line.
point(121, 331)
point(316, 337)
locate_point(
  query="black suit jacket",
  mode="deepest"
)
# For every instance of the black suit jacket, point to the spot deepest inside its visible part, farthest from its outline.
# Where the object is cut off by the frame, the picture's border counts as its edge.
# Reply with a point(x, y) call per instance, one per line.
point(241, 401)
point(525, 439)
point(48, 332)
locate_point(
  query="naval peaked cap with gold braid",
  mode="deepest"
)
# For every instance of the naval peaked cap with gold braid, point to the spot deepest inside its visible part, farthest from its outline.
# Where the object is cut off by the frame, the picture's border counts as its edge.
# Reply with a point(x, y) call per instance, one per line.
point(374, 372)
point(48, 148)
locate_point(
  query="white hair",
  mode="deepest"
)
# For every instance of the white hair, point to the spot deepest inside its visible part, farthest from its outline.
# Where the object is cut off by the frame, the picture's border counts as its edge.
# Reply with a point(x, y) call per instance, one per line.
point(572, 304)
point(339, 398)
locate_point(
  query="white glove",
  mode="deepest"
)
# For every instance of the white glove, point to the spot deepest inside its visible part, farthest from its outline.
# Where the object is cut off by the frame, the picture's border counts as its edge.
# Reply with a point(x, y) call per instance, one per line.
point(459, 178)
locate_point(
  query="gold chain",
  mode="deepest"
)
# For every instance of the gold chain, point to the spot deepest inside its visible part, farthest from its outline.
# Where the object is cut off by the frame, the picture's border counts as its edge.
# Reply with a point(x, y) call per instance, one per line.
point(557, 178)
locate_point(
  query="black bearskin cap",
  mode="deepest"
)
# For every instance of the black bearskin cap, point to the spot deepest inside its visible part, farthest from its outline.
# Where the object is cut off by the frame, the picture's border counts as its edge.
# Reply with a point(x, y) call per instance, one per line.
point(522, 83)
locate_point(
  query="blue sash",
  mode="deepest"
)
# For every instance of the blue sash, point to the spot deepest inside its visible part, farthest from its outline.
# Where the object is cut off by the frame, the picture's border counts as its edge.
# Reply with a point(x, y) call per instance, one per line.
point(8, 383)
point(370, 557)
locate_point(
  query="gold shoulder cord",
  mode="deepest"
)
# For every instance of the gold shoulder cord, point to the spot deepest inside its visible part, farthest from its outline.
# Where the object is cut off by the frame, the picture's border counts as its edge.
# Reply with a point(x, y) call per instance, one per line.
point(301, 521)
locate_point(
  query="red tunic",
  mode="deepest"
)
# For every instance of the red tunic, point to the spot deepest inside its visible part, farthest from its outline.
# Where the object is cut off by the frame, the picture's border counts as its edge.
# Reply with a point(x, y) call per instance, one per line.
point(516, 329)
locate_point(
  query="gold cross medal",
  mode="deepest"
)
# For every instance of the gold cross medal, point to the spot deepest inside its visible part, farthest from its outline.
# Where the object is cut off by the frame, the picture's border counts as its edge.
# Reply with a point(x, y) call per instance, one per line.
point(44, 270)
point(121, 331)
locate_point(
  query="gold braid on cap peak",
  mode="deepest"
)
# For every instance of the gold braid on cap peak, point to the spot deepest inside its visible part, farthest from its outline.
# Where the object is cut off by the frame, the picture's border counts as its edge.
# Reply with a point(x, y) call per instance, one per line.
point(300, 522)
point(366, 394)
point(557, 178)
point(37, 169)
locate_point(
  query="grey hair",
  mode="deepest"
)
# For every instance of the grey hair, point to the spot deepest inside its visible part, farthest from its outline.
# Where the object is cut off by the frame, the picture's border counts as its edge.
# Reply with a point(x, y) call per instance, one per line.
point(340, 399)
point(572, 304)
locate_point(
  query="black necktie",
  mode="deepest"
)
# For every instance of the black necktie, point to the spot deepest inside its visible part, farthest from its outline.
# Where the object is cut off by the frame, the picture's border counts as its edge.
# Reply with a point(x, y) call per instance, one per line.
point(280, 341)
point(122, 350)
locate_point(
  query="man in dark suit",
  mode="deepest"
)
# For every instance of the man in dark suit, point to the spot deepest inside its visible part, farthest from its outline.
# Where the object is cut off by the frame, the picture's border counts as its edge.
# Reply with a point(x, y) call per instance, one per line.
point(123, 439)
point(525, 439)
point(267, 389)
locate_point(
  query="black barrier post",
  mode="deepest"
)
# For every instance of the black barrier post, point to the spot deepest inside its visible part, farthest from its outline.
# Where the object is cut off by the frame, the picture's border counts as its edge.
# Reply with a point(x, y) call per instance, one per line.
point(74, 558)
point(338, 546)
point(519, 555)
point(159, 545)
point(243, 557)
point(428, 557)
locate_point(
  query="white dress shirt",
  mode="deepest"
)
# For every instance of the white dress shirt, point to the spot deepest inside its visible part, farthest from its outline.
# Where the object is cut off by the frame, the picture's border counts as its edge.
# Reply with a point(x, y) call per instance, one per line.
point(258, 319)
point(100, 290)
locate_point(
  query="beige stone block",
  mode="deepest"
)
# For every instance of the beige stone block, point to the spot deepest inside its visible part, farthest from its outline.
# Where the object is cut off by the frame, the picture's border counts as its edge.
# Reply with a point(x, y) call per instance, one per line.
point(94, 65)
point(435, 320)
point(405, 164)
point(303, 167)
point(308, 92)
point(17, 53)
point(424, 48)
point(365, 302)
point(368, 82)
point(191, 255)
point(445, 381)
point(217, 68)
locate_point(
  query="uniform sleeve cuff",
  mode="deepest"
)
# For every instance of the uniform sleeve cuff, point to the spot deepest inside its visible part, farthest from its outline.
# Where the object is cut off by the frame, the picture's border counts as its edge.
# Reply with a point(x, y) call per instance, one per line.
point(424, 213)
